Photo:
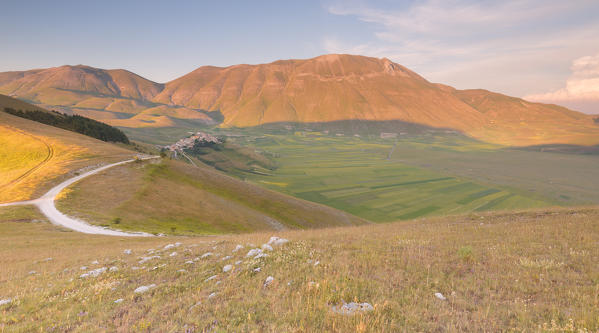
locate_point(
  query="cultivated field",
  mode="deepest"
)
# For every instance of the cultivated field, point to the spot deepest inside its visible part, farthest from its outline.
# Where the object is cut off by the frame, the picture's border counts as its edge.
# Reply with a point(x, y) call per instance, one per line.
point(526, 271)
point(364, 176)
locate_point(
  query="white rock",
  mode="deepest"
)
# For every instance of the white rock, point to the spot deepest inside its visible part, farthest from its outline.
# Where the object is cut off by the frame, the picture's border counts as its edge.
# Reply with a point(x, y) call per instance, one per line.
point(238, 262)
point(32, 272)
point(143, 289)
point(189, 262)
point(119, 300)
point(169, 246)
point(440, 296)
point(266, 247)
point(276, 241)
point(173, 254)
point(227, 268)
point(134, 268)
point(226, 258)
point(211, 278)
point(352, 308)
point(261, 255)
point(84, 275)
point(94, 272)
point(317, 263)
point(113, 269)
point(197, 304)
point(95, 262)
point(253, 252)
point(127, 251)
point(218, 282)
point(268, 281)
point(237, 248)
point(144, 259)
point(48, 259)
point(212, 295)
point(206, 255)
point(177, 244)
point(257, 269)
point(83, 268)
point(5, 301)
point(182, 271)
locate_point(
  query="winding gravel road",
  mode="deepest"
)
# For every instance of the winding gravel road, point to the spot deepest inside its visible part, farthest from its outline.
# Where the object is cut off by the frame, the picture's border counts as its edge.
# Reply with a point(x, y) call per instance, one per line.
point(47, 207)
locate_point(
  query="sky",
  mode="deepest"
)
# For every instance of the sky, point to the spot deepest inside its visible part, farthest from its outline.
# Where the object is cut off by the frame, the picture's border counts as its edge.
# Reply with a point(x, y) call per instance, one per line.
point(542, 50)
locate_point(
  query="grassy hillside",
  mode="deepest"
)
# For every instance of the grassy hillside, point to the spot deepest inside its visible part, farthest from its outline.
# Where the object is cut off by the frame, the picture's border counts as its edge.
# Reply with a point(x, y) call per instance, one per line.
point(176, 198)
point(35, 156)
point(527, 271)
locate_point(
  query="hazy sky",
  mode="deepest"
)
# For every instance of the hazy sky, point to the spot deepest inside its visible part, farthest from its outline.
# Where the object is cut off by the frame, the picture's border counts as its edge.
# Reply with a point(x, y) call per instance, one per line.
point(541, 49)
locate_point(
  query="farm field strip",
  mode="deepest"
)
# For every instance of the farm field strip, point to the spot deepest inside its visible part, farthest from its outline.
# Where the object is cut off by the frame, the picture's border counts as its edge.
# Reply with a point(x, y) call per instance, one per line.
point(355, 175)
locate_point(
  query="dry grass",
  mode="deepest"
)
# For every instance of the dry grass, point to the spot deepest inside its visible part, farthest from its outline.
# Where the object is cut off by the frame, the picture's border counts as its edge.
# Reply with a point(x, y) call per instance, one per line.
point(528, 271)
point(34, 156)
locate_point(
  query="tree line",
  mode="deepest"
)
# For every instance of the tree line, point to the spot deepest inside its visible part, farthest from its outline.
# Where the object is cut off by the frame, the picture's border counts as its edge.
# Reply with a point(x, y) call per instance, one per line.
point(74, 123)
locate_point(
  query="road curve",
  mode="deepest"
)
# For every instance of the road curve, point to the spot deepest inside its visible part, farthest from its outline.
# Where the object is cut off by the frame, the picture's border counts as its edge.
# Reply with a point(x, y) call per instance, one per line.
point(46, 205)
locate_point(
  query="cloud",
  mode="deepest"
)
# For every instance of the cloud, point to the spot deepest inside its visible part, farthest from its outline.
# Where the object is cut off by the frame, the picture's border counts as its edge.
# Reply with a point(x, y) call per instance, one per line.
point(515, 47)
point(581, 90)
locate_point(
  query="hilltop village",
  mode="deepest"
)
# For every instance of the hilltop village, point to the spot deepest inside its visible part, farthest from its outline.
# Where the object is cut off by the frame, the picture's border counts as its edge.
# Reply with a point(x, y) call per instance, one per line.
point(190, 141)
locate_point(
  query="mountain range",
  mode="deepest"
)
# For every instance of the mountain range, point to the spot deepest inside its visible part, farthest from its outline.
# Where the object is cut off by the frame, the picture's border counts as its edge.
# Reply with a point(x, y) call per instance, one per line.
point(328, 88)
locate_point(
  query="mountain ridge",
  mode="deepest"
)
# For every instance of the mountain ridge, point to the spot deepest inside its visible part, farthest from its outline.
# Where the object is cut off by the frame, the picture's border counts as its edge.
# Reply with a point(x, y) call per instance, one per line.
point(328, 88)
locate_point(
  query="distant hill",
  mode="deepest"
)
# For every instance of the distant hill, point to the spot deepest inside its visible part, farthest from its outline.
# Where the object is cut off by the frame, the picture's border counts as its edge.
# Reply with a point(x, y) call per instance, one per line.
point(328, 88)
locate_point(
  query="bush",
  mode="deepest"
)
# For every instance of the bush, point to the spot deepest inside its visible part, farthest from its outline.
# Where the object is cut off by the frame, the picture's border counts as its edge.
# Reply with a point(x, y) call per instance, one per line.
point(466, 253)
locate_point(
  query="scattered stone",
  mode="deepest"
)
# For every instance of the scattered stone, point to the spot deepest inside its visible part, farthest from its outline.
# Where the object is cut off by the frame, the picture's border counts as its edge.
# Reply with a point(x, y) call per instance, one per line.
point(440, 296)
point(227, 268)
point(261, 255)
point(237, 248)
point(113, 269)
point(189, 262)
point(206, 255)
point(257, 269)
point(5, 301)
point(218, 282)
point(48, 259)
point(83, 268)
point(317, 263)
point(277, 241)
point(119, 301)
point(226, 258)
point(238, 262)
point(352, 308)
point(173, 254)
point(267, 247)
point(95, 262)
point(32, 272)
point(253, 252)
point(143, 289)
point(182, 271)
point(268, 281)
point(127, 251)
point(212, 295)
point(169, 246)
point(93, 273)
point(144, 259)
point(211, 278)
point(134, 268)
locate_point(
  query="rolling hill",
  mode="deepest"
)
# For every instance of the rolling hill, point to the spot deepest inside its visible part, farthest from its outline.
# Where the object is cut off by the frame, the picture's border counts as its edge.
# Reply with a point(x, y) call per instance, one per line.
point(325, 89)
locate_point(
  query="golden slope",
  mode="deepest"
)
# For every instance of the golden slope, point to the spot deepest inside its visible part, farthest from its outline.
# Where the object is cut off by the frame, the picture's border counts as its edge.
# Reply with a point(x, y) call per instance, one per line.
point(34, 156)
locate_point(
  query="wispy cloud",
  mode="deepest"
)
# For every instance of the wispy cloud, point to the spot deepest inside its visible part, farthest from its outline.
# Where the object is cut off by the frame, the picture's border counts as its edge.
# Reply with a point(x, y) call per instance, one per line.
point(581, 90)
point(516, 47)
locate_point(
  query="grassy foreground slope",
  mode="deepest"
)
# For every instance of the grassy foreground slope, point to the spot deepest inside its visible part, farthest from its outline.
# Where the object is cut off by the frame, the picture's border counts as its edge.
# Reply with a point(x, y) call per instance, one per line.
point(34, 156)
point(527, 271)
point(177, 198)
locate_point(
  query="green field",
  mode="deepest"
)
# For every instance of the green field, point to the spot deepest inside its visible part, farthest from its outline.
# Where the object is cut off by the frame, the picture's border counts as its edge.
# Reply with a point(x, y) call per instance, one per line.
point(360, 176)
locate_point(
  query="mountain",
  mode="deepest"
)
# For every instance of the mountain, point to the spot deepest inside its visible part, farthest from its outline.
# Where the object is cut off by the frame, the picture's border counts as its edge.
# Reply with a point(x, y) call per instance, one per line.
point(328, 88)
